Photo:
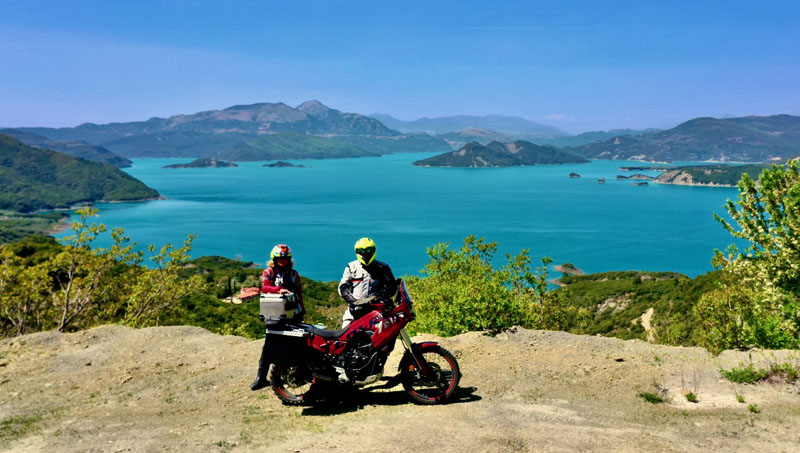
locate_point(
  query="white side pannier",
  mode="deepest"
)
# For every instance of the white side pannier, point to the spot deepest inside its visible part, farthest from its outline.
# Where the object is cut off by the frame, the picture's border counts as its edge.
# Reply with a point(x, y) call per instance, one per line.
point(273, 306)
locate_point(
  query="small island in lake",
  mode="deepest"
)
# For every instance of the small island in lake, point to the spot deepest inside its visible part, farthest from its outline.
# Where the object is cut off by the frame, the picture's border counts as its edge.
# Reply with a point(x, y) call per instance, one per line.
point(574, 175)
point(636, 176)
point(710, 175)
point(282, 164)
point(662, 168)
point(204, 163)
point(497, 154)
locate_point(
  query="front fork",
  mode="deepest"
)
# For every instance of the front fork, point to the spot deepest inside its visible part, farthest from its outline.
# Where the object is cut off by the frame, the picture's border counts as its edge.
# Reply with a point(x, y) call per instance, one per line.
point(421, 364)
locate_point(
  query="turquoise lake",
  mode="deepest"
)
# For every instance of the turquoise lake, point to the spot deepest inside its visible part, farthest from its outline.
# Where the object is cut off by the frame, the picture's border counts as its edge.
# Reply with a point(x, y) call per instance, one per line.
point(321, 210)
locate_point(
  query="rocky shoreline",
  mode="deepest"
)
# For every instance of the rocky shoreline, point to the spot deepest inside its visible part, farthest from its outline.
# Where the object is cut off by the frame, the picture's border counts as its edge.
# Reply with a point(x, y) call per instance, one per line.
point(134, 200)
point(683, 178)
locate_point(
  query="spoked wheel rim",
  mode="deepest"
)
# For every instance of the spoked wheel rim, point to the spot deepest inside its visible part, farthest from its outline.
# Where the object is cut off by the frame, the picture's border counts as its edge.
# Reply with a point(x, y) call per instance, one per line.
point(442, 379)
point(292, 383)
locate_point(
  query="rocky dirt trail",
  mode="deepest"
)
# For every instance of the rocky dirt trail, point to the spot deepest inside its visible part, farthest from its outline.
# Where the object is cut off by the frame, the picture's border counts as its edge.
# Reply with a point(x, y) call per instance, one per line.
point(116, 389)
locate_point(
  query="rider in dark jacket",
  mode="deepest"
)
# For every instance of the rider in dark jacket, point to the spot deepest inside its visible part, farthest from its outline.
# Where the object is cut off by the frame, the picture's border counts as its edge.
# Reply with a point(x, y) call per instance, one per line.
point(363, 278)
point(279, 277)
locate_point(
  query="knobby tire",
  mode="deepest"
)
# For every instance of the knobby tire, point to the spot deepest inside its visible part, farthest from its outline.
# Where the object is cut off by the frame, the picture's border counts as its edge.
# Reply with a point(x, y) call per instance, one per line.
point(440, 387)
point(292, 384)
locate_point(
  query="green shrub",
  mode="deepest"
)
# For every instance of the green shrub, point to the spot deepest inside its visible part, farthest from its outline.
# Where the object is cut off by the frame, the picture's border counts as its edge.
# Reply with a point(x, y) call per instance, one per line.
point(461, 291)
point(751, 375)
point(786, 370)
point(758, 301)
point(651, 397)
point(739, 312)
point(744, 375)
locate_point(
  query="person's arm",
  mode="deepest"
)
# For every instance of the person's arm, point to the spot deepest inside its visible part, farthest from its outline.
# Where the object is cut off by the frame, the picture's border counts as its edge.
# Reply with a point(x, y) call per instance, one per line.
point(266, 282)
point(390, 287)
point(346, 285)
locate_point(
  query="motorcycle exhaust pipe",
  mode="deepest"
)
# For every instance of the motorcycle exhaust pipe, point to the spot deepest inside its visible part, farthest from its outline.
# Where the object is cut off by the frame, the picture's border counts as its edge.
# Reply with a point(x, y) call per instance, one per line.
point(322, 377)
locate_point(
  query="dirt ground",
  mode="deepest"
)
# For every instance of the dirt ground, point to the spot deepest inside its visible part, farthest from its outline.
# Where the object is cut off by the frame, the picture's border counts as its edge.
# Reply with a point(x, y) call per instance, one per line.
point(116, 389)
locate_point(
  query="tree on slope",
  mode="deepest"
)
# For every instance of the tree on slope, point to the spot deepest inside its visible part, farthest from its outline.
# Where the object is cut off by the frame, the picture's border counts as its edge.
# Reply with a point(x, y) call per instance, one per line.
point(461, 291)
point(79, 286)
point(758, 301)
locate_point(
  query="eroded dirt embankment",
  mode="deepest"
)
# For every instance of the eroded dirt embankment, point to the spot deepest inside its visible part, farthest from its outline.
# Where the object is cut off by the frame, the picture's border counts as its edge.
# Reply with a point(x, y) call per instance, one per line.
point(115, 389)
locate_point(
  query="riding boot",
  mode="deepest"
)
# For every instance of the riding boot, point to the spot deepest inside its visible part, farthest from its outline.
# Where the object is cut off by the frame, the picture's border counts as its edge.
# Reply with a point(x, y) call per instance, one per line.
point(263, 368)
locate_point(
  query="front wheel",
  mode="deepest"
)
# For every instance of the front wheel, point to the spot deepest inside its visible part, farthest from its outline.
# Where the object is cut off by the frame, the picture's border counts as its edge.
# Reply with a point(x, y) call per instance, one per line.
point(293, 384)
point(442, 380)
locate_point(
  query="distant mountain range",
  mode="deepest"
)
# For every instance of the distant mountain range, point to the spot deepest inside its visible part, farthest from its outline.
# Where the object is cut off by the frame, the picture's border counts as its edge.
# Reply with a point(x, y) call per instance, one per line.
point(507, 125)
point(75, 148)
point(497, 154)
point(593, 136)
point(35, 178)
point(209, 133)
point(291, 145)
point(484, 136)
point(746, 139)
point(268, 131)
point(460, 138)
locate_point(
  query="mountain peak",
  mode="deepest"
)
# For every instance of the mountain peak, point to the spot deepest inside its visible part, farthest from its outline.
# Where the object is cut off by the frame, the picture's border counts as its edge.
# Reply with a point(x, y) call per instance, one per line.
point(312, 107)
point(254, 107)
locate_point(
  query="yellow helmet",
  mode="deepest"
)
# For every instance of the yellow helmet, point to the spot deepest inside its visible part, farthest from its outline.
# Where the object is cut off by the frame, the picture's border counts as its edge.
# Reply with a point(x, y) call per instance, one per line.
point(365, 251)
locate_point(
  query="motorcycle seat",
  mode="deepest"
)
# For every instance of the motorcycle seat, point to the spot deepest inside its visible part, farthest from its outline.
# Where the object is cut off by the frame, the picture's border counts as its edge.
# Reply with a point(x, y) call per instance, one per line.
point(327, 334)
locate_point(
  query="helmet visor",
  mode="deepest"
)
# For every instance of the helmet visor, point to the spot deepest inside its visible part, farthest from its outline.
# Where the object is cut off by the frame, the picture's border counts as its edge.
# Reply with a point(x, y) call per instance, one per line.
point(365, 254)
point(365, 251)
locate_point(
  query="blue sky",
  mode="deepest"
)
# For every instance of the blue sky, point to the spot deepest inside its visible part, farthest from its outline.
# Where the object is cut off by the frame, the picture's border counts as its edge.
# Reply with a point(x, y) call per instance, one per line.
point(574, 65)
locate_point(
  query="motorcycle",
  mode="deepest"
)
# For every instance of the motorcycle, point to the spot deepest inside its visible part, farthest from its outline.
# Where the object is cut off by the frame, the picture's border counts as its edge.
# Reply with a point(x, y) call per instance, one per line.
point(304, 357)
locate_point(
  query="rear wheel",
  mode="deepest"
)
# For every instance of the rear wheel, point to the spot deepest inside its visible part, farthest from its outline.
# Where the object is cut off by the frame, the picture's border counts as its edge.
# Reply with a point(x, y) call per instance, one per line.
point(293, 384)
point(442, 380)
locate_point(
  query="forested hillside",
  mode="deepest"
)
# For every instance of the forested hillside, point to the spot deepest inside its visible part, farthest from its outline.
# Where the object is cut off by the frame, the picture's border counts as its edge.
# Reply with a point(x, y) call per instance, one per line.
point(34, 178)
point(76, 148)
point(746, 139)
point(709, 175)
point(291, 145)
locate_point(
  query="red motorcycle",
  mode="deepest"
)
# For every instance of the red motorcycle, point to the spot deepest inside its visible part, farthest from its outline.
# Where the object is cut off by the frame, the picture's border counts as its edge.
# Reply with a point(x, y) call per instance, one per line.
point(303, 356)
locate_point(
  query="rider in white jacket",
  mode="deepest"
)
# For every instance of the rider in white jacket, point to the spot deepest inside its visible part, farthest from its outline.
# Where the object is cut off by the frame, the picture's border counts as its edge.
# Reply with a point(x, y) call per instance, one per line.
point(363, 278)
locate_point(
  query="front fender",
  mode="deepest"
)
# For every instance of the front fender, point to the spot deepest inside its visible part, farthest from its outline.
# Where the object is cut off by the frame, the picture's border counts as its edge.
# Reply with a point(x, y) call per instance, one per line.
point(417, 347)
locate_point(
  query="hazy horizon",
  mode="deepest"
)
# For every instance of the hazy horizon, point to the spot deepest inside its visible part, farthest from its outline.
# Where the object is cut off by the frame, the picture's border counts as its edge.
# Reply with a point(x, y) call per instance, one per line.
point(578, 67)
point(410, 119)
